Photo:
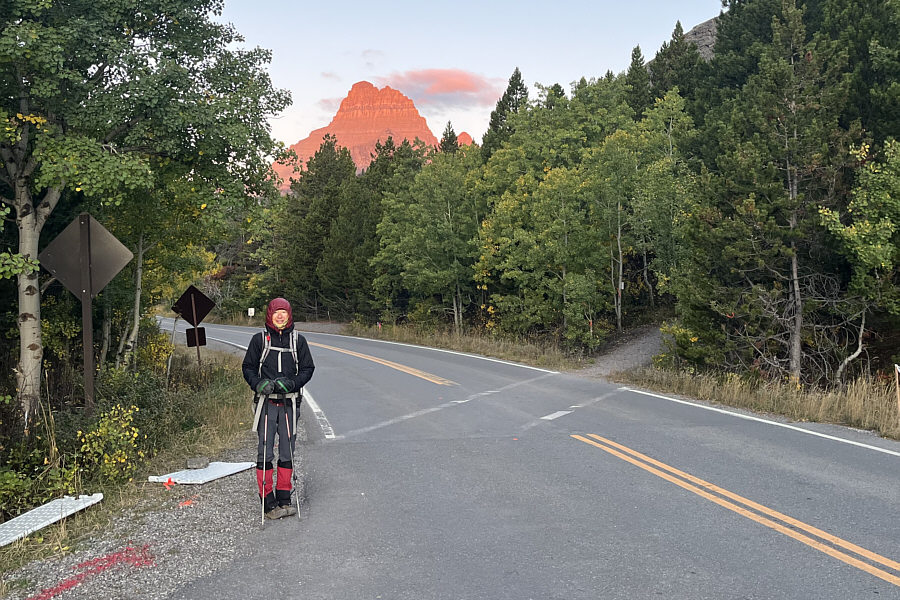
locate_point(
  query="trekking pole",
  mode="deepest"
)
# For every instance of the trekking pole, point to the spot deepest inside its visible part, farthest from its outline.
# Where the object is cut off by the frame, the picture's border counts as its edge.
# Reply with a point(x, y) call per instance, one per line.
point(262, 491)
point(292, 429)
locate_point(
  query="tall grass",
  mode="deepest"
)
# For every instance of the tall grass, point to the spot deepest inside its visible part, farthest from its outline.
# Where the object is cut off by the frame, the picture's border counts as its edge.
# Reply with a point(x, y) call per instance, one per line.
point(865, 403)
point(546, 355)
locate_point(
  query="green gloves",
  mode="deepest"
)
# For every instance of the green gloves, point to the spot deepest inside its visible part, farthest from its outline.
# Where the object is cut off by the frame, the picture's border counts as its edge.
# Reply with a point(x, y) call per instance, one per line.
point(282, 385)
point(265, 387)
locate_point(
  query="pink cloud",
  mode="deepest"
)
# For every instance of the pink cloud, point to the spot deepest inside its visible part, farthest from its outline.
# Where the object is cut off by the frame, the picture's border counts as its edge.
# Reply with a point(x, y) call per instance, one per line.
point(330, 75)
point(446, 87)
point(329, 104)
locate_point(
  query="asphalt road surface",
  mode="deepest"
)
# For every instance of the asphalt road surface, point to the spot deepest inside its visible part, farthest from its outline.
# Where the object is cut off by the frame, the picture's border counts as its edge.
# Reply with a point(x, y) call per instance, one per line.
point(432, 474)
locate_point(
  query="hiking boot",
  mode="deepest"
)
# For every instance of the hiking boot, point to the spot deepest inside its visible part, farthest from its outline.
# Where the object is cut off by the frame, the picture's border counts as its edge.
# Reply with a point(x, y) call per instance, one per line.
point(276, 513)
point(289, 510)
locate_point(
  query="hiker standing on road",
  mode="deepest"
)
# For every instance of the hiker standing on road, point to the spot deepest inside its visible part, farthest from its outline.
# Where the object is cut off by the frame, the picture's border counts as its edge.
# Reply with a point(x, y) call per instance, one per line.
point(277, 365)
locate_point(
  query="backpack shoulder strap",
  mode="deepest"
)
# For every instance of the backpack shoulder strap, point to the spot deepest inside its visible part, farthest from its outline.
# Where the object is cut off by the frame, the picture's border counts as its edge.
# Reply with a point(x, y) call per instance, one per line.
point(267, 344)
point(295, 338)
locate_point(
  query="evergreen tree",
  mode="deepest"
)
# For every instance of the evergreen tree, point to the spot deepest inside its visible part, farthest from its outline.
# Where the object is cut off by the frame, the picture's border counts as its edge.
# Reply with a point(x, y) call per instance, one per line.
point(449, 143)
point(638, 79)
point(771, 296)
point(391, 174)
point(304, 223)
point(677, 63)
point(870, 32)
point(514, 100)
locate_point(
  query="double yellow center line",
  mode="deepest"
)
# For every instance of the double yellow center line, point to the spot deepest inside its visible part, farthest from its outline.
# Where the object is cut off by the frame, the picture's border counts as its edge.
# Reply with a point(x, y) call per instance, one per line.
point(408, 370)
point(763, 515)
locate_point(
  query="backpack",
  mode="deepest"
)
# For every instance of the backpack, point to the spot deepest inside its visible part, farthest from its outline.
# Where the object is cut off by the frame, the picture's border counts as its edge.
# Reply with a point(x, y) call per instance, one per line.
point(267, 347)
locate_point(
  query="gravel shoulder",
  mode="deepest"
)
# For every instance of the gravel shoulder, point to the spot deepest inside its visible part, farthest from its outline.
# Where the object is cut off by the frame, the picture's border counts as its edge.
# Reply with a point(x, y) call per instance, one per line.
point(170, 537)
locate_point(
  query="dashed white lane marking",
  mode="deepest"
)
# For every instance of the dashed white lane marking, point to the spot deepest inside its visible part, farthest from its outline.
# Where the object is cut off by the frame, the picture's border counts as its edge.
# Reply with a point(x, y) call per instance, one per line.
point(766, 421)
point(321, 419)
point(556, 415)
point(426, 411)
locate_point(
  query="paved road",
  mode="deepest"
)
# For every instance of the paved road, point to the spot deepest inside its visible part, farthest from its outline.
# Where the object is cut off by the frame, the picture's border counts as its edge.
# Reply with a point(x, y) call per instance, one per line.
point(451, 476)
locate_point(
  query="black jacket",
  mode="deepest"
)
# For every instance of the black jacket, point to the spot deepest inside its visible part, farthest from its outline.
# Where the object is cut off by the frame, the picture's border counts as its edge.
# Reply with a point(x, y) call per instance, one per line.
point(301, 375)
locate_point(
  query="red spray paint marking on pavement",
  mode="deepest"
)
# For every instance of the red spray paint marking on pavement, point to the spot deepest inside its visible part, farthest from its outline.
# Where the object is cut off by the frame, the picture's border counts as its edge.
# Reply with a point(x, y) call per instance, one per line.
point(132, 556)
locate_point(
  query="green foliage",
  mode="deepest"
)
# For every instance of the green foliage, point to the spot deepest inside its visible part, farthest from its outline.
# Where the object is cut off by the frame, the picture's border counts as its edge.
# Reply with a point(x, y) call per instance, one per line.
point(449, 143)
point(870, 34)
point(12, 264)
point(869, 230)
point(637, 78)
point(428, 232)
point(303, 224)
point(112, 447)
point(513, 101)
point(677, 64)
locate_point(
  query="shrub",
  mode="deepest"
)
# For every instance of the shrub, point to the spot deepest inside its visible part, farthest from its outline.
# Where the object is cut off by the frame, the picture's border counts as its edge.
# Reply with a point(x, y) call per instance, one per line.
point(111, 450)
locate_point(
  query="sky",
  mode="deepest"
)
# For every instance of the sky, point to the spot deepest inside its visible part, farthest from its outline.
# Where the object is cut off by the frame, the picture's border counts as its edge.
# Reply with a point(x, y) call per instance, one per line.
point(452, 58)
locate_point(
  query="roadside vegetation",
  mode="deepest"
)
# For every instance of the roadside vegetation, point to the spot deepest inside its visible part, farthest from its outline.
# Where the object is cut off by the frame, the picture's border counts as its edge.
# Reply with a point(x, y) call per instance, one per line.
point(864, 403)
point(144, 425)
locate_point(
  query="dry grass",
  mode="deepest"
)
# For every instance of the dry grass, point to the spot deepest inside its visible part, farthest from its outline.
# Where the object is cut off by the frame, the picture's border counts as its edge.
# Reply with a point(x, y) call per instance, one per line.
point(226, 403)
point(864, 404)
point(517, 350)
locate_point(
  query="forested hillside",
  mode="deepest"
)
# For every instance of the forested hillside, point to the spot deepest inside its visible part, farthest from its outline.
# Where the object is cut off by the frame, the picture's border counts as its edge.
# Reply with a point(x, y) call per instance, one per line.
point(753, 197)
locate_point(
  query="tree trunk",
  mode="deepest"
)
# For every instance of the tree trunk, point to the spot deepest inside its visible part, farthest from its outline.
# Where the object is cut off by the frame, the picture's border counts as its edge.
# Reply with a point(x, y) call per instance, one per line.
point(457, 310)
point(131, 344)
point(796, 350)
point(31, 350)
point(620, 280)
point(121, 350)
point(852, 357)
point(107, 327)
point(647, 280)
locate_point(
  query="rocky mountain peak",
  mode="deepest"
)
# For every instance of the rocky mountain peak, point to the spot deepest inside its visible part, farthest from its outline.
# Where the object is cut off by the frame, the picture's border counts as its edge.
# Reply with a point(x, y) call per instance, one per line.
point(367, 115)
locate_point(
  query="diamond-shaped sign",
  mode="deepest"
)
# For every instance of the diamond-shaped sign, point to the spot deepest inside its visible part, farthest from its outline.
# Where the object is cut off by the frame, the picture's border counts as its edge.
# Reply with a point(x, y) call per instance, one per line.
point(193, 302)
point(63, 257)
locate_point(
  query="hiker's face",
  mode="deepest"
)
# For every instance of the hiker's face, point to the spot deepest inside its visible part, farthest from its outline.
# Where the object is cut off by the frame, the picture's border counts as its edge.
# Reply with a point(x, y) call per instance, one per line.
point(280, 318)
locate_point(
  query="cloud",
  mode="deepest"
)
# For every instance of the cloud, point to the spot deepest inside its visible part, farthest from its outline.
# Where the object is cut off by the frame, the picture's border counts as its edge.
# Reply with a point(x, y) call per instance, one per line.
point(446, 88)
point(330, 75)
point(329, 105)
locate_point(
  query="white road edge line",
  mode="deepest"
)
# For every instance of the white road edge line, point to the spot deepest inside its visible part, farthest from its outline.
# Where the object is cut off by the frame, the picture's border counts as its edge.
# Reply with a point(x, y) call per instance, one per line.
point(322, 420)
point(556, 415)
point(766, 421)
point(327, 430)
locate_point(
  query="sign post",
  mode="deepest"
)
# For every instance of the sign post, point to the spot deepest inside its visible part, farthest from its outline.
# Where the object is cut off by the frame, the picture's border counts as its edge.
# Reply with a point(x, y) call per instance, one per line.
point(84, 226)
point(84, 258)
point(192, 306)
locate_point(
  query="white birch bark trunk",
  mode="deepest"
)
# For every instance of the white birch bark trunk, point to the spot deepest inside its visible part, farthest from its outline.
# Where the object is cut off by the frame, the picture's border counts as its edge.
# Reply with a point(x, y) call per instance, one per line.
point(31, 350)
point(131, 344)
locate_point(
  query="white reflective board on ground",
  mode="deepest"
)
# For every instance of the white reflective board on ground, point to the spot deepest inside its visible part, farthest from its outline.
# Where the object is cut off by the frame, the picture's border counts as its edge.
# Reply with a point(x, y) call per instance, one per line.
point(40, 517)
point(215, 470)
